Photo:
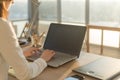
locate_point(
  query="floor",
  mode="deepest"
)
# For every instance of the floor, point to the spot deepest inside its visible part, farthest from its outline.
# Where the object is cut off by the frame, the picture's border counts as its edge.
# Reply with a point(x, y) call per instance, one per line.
point(107, 51)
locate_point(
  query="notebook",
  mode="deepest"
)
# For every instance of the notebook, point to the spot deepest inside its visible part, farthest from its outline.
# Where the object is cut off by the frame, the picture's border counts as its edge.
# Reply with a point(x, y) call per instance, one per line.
point(66, 40)
point(102, 69)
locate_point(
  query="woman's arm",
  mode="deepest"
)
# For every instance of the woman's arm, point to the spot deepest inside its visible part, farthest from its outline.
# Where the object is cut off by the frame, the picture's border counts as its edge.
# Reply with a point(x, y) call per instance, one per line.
point(13, 55)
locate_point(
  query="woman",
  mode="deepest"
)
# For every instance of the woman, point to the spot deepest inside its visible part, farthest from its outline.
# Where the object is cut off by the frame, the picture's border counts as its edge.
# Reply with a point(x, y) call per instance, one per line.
point(12, 55)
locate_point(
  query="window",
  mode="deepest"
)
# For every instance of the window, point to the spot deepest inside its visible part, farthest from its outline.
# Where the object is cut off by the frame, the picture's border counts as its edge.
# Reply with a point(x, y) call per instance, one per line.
point(106, 13)
point(19, 10)
point(48, 10)
point(102, 12)
point(73, 11)
point(19, 14)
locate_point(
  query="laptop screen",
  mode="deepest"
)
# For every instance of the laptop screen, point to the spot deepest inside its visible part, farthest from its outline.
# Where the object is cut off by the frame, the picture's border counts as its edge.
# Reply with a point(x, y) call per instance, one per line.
point(65, 38)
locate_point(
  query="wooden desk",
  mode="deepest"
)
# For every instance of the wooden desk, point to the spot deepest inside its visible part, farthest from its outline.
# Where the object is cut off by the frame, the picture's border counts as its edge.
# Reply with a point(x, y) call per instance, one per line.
point(102, 28)
point(66, 70)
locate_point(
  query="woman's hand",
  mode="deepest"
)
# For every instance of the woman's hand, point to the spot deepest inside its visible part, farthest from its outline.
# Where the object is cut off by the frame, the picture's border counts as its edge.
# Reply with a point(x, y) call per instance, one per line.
point(30, 51)
point(47, 55)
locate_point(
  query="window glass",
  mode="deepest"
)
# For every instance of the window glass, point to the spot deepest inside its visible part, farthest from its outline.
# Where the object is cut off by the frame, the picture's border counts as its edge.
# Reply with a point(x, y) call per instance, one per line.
point(106, 13)
point(73, 11)
point(19, 10)
point(19, 15)
point(48, 10)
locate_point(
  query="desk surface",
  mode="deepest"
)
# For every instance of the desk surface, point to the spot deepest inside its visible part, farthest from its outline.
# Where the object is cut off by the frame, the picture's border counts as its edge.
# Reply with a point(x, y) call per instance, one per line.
point(66, 70)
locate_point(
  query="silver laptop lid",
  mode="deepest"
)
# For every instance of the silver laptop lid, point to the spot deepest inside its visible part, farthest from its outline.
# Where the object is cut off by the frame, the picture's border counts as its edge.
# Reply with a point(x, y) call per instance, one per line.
point(65, 38)
point(105, 68)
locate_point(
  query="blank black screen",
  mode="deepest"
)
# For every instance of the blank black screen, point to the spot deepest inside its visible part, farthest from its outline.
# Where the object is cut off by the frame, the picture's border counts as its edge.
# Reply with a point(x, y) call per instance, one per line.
point(65, 38)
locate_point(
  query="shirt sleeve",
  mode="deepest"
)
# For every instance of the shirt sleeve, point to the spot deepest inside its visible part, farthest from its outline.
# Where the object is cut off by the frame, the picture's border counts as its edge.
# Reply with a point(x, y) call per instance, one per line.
point(13, 55)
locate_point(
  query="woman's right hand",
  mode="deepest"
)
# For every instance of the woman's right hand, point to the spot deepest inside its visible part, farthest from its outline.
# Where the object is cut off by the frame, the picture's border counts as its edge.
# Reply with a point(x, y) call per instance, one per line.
point(47, 55)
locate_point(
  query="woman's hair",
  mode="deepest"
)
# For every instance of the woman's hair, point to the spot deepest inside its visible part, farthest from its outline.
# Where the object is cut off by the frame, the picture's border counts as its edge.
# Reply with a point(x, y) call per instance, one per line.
point(3, 11)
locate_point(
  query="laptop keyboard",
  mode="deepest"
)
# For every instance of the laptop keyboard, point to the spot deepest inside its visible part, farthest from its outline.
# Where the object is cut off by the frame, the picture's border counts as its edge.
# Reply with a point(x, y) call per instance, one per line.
point(61, 58)
point(35, 56)
point(58, 59)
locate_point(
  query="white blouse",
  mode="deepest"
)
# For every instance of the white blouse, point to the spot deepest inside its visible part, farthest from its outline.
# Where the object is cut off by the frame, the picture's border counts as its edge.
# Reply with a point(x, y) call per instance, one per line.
point(11, 54)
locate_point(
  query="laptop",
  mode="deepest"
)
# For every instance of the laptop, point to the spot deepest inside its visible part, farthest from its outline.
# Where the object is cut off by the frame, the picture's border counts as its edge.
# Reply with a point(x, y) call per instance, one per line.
point(66, 40)
point(102, 69)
